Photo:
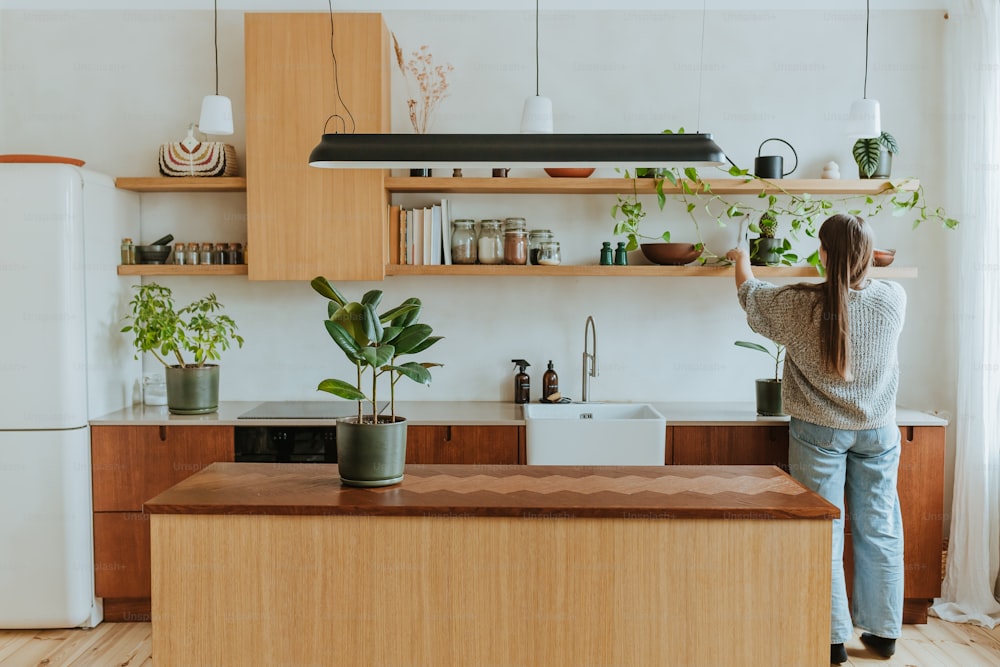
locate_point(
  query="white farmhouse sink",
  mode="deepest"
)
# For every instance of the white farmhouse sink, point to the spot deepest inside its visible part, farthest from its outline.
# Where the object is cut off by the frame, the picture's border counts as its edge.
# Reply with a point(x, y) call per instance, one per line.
point(618, 434)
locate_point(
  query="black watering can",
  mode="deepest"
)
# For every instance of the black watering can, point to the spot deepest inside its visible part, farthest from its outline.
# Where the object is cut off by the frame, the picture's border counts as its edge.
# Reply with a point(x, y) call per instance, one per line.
point(770, 166)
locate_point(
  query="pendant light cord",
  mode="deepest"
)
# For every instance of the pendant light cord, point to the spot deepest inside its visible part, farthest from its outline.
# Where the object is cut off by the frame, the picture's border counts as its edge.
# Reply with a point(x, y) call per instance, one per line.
point(215, 27)
point(536, 49)
point(868, 11)
point(336, 80)
point(701, 63)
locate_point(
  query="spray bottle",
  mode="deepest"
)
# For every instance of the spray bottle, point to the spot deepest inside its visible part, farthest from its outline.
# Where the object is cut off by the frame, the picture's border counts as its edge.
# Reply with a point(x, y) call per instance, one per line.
point(522, 383)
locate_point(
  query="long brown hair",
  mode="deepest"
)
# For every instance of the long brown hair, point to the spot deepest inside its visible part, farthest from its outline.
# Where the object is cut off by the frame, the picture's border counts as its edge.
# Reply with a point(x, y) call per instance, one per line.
point(849, 242)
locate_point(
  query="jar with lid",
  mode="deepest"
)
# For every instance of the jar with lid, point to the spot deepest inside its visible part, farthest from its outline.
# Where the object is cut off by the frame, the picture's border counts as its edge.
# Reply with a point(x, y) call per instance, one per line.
point(515, 246)
point(205, 254)
point(535, 239)
point(490, 242)
point(192, 254)
point(128, 251)
point(234, 255)
point(463, 241)
point(180, 253)
point(549, 254)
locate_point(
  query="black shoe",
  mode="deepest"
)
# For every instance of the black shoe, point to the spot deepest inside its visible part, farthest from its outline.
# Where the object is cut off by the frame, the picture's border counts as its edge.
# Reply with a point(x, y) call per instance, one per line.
point(883, 646)
point(838, 654)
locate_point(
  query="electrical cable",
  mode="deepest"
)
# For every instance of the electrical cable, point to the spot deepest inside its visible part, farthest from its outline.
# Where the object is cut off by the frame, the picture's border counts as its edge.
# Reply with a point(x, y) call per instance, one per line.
point(336, 80)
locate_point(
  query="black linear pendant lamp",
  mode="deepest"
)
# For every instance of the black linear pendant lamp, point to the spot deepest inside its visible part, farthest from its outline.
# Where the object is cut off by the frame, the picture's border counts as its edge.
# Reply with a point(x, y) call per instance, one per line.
point(534, 147)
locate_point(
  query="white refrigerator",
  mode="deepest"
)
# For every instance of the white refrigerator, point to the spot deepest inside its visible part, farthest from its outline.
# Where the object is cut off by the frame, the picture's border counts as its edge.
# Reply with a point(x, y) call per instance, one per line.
point(63, 360)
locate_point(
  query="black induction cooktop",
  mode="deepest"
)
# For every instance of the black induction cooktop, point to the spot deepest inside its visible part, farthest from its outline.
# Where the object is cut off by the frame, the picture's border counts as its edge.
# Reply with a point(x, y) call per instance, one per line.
point(306, 410)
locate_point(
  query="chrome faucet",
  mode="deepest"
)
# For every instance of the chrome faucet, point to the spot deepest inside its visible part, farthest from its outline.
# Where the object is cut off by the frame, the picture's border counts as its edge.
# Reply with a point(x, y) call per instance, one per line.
point(591, 370)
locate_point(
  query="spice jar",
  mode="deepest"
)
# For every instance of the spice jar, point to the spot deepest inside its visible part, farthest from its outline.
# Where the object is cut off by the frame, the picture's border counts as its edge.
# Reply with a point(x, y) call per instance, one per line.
point(234, 253)
point(515, 246)
point(535, 239)
point(463, 242)
point(180, 253)
point(205, 254)
point(220, 254)
point(549, 254)
point(128, 251)
point(192, 256)
point(490, 242)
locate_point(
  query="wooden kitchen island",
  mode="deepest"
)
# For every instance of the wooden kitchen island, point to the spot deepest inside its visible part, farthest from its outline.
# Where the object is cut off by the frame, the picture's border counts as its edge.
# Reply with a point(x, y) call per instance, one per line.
point(278, 564)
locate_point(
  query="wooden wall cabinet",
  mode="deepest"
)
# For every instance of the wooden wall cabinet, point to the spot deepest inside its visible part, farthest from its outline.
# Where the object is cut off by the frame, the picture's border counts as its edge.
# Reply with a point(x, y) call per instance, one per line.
point(131, 464)
point(476, 445)
point(305, 221)
point(920, 486)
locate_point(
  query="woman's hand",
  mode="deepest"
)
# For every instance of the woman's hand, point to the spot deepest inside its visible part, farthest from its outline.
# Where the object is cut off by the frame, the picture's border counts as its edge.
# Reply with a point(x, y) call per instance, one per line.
point(741, 259)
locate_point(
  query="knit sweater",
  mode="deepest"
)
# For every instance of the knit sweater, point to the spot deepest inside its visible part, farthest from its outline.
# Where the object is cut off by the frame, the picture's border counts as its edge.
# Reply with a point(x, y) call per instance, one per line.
point(811, 393)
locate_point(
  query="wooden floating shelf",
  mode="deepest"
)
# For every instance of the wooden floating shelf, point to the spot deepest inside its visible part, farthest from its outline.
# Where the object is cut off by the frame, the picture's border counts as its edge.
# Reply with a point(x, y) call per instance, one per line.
point(643, 186)
point(182, 184)
point(182, 270)
point(638, 271)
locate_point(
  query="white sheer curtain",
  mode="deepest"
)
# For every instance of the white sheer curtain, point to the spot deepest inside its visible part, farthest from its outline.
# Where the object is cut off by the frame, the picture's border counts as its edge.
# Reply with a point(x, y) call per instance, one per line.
point(970, 588)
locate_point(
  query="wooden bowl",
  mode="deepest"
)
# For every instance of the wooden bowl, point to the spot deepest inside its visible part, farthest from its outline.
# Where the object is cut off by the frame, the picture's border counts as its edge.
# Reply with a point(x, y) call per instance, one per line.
point(883, 257)
point(569, 172)
point(673, 254)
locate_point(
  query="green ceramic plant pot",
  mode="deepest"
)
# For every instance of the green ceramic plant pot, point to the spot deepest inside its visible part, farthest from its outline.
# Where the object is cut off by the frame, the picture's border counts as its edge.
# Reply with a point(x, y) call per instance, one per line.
point(371, 454)
point(765, 251)
point(192, 390)
point(769, 398)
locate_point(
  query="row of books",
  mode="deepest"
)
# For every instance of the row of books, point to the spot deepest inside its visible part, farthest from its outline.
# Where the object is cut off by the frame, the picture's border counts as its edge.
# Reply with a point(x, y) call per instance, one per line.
point(420, 235)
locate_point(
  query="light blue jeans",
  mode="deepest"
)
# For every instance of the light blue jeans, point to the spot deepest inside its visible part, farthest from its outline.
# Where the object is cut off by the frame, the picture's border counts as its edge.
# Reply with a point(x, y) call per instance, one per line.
point(860, 465)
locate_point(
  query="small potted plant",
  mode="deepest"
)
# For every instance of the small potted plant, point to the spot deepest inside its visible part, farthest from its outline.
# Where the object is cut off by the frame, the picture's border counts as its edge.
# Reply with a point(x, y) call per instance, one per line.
point(767, 249)
point(768, 389)
point(371, 448)
point(874, 155)
point(167, 332)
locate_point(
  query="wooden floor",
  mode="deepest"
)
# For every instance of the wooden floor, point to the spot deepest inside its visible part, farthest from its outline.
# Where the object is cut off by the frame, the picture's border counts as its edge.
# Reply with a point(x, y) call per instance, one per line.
point(937, 644)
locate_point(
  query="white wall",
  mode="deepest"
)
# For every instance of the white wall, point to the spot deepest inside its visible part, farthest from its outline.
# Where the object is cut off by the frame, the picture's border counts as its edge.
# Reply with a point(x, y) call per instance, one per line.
point(110, 86)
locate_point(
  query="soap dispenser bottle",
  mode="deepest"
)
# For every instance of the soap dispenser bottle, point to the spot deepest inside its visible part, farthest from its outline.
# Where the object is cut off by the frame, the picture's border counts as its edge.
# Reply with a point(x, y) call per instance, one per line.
point(522, 383)
point(550, 382)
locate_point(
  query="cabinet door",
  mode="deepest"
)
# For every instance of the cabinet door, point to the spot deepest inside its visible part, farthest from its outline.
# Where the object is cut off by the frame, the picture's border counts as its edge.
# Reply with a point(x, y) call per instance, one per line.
point(131, 464)
point(482, 445)
point(305, 221)
point(731, 445)
point(121, 555)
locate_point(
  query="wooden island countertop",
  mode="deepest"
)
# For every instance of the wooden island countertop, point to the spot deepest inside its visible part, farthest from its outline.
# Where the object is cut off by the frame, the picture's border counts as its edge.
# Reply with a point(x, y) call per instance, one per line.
point(536, 566)
point(683, 492)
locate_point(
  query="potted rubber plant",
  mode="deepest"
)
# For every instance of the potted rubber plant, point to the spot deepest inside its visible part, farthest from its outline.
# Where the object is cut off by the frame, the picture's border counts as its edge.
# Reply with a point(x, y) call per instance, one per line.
point(167, 332)
point(768, 389)
point(371, 447)
point(874, 155)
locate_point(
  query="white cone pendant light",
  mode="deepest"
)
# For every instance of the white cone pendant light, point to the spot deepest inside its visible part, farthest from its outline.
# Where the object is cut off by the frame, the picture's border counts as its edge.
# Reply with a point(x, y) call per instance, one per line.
point(216, 115)
point(216, 110)
point(865, 119)
point(537, 115)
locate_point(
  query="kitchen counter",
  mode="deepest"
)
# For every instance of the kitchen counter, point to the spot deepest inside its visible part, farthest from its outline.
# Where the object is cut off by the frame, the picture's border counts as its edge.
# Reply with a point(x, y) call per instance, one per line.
point(491, 565)
point(479, 413)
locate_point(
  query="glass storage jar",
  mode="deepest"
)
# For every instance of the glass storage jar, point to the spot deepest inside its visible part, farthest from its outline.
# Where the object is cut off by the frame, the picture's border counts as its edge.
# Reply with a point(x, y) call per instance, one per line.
point(515, 246)
point(549, 254)
point(535, 239)
point(463, 242)
point(490, 242)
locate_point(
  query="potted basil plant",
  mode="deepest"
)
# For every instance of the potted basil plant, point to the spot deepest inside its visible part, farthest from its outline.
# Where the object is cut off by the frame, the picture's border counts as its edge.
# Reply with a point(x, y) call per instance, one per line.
point(768, 389)
point(371, 447)
point(168, 332)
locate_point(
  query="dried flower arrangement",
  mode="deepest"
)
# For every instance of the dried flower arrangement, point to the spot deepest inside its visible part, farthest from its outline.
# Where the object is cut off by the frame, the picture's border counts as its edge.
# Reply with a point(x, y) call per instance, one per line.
point(431, 79)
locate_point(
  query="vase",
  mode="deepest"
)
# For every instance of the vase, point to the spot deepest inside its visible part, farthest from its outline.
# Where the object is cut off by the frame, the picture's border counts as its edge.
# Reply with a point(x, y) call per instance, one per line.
point(369, 454)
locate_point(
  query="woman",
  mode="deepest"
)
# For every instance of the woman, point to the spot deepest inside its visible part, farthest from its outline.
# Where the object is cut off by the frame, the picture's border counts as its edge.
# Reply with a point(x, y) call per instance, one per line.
point(839, 388)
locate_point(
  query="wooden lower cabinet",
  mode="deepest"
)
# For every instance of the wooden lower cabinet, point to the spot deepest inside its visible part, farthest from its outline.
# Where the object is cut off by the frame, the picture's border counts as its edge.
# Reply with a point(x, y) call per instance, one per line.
point(920, 486)
point(475, 445)
point(131, 464)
